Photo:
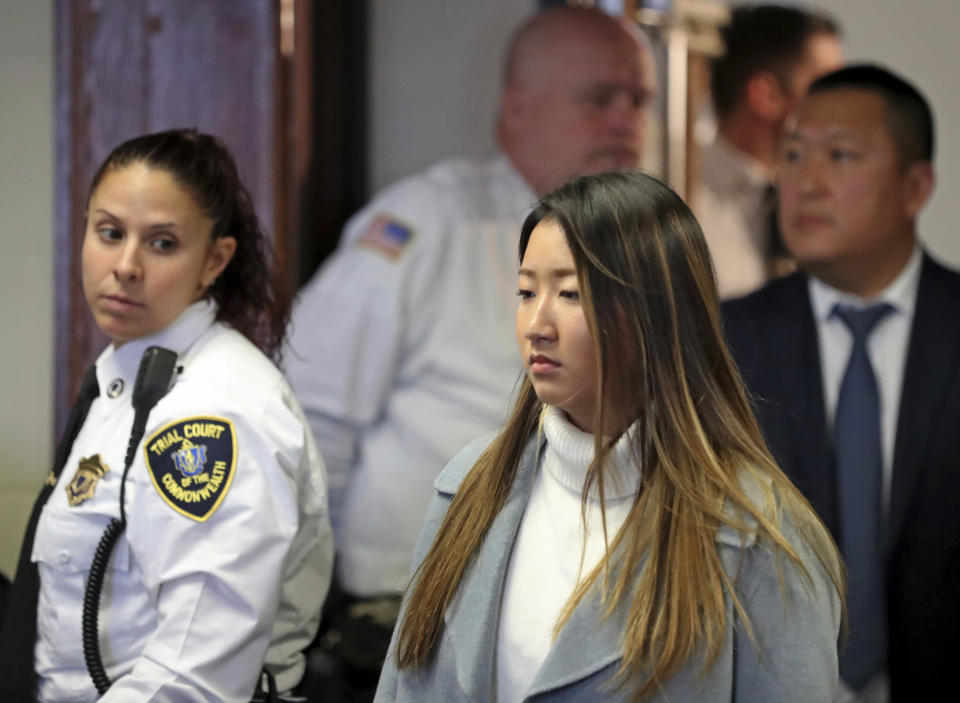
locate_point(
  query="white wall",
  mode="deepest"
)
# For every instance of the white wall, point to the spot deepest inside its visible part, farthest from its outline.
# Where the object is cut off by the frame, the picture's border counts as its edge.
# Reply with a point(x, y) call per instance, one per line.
point(26, 263)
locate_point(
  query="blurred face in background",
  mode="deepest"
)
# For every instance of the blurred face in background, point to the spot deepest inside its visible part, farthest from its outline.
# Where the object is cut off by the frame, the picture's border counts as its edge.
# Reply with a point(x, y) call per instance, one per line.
point(576, 102)
point(847, 203)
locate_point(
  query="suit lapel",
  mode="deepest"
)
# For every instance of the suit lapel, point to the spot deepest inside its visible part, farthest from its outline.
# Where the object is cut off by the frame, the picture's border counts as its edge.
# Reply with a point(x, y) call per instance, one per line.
point(934, 349)
point(587, 643)
point(793, 392)
point(816, 450)
point(473, 619)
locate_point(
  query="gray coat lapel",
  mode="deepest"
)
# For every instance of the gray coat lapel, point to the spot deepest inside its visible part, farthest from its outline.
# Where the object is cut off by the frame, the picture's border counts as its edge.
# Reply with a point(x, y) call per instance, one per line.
point(586, 644)
point(589, 642)
point(472, 620)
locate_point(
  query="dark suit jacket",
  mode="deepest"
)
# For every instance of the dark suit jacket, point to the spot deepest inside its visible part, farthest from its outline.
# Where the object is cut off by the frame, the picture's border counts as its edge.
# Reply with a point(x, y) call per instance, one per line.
point(773, 337)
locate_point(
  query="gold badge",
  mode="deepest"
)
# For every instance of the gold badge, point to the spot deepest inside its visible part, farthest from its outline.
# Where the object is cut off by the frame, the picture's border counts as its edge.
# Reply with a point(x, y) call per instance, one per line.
point(84, 482)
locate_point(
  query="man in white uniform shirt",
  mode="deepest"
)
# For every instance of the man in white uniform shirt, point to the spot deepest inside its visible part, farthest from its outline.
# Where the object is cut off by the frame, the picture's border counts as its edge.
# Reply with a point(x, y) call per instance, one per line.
point(402, 347)
point(772, 52)
point(855, 364)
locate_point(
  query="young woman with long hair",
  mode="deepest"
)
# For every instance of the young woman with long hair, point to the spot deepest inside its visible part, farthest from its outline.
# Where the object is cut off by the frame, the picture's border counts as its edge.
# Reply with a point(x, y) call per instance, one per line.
point(627, 535)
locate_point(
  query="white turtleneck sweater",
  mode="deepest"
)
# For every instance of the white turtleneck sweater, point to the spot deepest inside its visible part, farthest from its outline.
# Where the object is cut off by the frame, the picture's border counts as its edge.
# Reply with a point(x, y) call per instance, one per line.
point(545, 565)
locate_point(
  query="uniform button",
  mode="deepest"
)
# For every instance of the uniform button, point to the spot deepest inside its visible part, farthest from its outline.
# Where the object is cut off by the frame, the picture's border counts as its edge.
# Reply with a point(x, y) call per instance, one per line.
point(115, 388)
point(64, 556)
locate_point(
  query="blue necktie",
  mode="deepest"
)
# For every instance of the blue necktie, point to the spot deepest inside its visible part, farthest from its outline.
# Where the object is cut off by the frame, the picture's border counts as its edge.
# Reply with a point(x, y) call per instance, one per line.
point(859, 460)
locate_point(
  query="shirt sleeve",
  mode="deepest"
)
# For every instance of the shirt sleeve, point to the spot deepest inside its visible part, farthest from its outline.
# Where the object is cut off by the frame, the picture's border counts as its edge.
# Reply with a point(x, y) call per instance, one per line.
point(217, 582)
point(351, 322)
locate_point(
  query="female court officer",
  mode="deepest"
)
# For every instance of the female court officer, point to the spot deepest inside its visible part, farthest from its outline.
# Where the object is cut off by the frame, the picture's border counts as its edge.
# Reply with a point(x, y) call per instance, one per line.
point(224, 549)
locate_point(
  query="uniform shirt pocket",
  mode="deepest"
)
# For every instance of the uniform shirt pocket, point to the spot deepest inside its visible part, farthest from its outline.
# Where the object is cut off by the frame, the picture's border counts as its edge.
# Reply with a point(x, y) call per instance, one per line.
point(63, 551)
point(66, 542)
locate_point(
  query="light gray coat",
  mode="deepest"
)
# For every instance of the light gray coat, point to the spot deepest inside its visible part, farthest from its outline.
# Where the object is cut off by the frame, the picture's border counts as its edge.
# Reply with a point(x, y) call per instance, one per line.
point(796, 660)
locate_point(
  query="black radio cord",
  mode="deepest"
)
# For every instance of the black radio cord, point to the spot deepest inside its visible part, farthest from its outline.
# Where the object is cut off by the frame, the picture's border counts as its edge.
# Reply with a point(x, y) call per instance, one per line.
point(91, 605)
point(98, 569)
point(154, 378)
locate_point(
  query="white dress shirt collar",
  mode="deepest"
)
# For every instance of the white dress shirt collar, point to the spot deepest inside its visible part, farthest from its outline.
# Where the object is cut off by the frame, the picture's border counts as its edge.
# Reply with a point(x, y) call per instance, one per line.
point(901, 293)
point(121, 364)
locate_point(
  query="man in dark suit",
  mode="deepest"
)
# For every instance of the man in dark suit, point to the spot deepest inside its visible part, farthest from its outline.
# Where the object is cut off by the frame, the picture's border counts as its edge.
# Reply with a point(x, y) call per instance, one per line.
point(854, 363)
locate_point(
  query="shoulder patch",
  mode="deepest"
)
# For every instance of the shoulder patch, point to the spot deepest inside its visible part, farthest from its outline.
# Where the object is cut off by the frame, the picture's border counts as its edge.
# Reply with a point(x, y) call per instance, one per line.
point(191, 463)
point(386, 235)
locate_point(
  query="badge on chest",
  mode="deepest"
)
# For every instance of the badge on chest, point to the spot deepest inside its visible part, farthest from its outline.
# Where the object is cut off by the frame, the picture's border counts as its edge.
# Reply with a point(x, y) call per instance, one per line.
point(84, 483)
point(191, 463)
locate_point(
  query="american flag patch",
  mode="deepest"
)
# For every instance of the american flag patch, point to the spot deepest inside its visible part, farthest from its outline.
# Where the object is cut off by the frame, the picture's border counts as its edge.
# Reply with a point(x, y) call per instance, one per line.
point(386, 236)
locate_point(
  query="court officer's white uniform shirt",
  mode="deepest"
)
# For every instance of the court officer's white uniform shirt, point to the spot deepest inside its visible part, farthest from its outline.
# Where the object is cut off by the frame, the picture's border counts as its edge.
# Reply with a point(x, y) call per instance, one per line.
point(403, 350)
point(224, 561)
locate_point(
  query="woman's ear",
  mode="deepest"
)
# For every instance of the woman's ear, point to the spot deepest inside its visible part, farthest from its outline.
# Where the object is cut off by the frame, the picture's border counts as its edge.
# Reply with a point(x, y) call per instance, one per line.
point(220, 254)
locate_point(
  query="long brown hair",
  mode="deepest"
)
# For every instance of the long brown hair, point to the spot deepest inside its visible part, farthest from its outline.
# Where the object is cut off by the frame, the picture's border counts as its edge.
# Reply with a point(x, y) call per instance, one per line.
point(649, 297)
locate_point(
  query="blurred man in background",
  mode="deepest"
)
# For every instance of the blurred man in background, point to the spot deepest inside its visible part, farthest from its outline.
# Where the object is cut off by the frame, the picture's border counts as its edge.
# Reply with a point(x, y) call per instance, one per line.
point(772, 53)
point(855, 361)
